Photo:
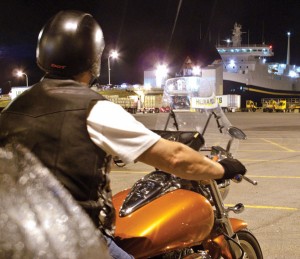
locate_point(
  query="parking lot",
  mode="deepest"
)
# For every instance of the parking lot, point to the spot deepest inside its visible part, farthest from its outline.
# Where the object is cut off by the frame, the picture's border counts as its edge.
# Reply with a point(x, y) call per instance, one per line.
point(271, 154)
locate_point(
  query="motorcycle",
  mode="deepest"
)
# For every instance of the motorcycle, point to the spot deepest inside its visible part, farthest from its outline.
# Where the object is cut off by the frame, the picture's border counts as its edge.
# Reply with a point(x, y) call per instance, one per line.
point(163, 216)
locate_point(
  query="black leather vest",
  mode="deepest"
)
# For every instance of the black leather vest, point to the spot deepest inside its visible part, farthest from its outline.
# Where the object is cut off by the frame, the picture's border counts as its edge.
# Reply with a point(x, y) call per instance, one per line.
point(50, 120)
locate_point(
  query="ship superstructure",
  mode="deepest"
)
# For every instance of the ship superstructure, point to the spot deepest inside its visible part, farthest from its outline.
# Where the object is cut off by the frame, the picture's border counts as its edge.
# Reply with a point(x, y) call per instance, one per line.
point(246, 72)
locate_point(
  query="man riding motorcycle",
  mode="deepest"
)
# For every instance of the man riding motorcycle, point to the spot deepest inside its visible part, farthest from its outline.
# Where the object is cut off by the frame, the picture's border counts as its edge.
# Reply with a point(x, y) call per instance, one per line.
point(75, 132)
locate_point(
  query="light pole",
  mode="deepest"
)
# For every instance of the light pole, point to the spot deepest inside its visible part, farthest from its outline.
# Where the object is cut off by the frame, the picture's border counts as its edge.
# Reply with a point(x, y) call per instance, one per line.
point(288, 49)
point(113, 54)
point(21, 73)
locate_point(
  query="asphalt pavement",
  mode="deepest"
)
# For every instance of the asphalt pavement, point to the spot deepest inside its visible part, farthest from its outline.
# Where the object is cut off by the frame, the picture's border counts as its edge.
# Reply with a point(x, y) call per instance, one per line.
point(271, 154)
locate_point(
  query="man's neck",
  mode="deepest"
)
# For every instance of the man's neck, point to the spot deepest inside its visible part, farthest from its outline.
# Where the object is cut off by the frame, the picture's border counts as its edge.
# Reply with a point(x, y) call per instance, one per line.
point(83, 78)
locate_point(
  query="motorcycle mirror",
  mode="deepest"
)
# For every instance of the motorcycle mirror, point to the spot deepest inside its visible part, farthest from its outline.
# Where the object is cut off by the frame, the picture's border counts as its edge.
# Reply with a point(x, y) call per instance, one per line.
point(237, 133)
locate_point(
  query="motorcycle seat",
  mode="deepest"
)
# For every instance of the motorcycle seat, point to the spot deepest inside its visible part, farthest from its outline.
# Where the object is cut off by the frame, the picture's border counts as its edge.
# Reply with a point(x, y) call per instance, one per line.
point(193, 139)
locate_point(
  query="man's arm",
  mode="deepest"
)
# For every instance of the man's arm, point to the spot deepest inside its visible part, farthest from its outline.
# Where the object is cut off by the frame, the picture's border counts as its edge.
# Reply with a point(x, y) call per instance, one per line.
point(179, 159)
point(118, 133)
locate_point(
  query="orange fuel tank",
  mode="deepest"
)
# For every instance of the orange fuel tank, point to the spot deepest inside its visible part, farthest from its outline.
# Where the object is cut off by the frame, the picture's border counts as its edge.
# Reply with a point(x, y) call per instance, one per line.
point(177, 219)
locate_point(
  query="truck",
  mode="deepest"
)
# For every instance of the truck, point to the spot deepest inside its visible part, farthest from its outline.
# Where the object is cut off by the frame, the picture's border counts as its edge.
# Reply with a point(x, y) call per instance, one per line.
point(230, 102)
point(127, 103)
point(17, 90)
point(5, 99)
point(281, 104)
point(294, 107)
point(270, 105)
point(251, 106)
point(152, 103)
point(127, 99)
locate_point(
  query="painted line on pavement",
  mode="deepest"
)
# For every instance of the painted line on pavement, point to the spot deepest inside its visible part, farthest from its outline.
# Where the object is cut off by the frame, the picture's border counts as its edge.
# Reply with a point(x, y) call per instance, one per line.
point(269, 160)
point(269, 151)
point(266, 207)
point(278, 145)
point(274, 176)
point(251, 176)
point(246, 206)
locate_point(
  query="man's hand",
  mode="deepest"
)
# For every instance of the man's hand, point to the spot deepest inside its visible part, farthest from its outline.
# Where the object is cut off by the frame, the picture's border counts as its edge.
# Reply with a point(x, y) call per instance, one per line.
point(232, 167)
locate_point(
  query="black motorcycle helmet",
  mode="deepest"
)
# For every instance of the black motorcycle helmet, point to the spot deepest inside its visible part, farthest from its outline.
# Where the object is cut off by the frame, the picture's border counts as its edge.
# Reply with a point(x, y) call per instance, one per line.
point(71, 42)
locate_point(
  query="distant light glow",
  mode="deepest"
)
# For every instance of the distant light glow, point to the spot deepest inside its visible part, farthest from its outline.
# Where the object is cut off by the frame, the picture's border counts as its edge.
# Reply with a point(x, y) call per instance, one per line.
point(161, 70)
point(161, 74)
point(147, 86)
point(171, 87)
point(19, 73)
point(232, 62)
point(196, 71)
point(114, 54)
point(292, 73)
point(228, 42)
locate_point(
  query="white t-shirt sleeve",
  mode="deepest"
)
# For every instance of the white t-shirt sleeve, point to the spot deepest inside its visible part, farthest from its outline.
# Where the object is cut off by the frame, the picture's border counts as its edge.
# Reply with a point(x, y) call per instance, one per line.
point(117, 132)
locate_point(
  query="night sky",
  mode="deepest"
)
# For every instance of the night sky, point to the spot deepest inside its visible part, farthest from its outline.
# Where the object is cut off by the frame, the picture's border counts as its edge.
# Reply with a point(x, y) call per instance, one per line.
point(146, 32)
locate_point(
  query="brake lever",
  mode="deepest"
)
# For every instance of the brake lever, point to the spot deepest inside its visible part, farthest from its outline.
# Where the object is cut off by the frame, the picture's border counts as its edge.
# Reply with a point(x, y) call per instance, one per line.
point(250, 180)
point(238, 178)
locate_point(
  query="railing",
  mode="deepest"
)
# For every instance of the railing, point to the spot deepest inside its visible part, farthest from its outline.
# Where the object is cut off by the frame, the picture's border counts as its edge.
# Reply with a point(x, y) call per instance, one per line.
point(243, 46)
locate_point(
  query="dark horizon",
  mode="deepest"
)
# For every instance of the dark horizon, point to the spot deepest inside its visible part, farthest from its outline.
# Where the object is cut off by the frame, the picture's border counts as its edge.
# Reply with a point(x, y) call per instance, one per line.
point(147, 32)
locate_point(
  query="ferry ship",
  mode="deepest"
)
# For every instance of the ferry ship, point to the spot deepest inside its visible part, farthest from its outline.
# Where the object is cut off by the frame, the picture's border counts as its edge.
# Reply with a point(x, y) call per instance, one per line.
point(247, 73)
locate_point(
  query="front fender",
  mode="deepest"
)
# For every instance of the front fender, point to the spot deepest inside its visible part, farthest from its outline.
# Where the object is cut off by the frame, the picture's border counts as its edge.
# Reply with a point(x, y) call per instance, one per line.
point(238, 224)
point(218, 246)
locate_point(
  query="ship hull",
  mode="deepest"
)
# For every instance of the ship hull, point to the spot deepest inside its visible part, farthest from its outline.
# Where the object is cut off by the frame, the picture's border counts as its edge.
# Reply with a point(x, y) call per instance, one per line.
point(255, 93)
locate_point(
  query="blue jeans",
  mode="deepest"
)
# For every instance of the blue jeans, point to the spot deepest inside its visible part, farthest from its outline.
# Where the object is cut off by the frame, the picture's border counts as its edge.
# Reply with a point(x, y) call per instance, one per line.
point(115, 251)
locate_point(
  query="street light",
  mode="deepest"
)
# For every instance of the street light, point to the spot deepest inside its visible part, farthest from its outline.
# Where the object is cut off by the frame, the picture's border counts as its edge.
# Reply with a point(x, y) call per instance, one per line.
point(21, 73)
point(113, 54)
point(288, 49)
point(228, 42)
